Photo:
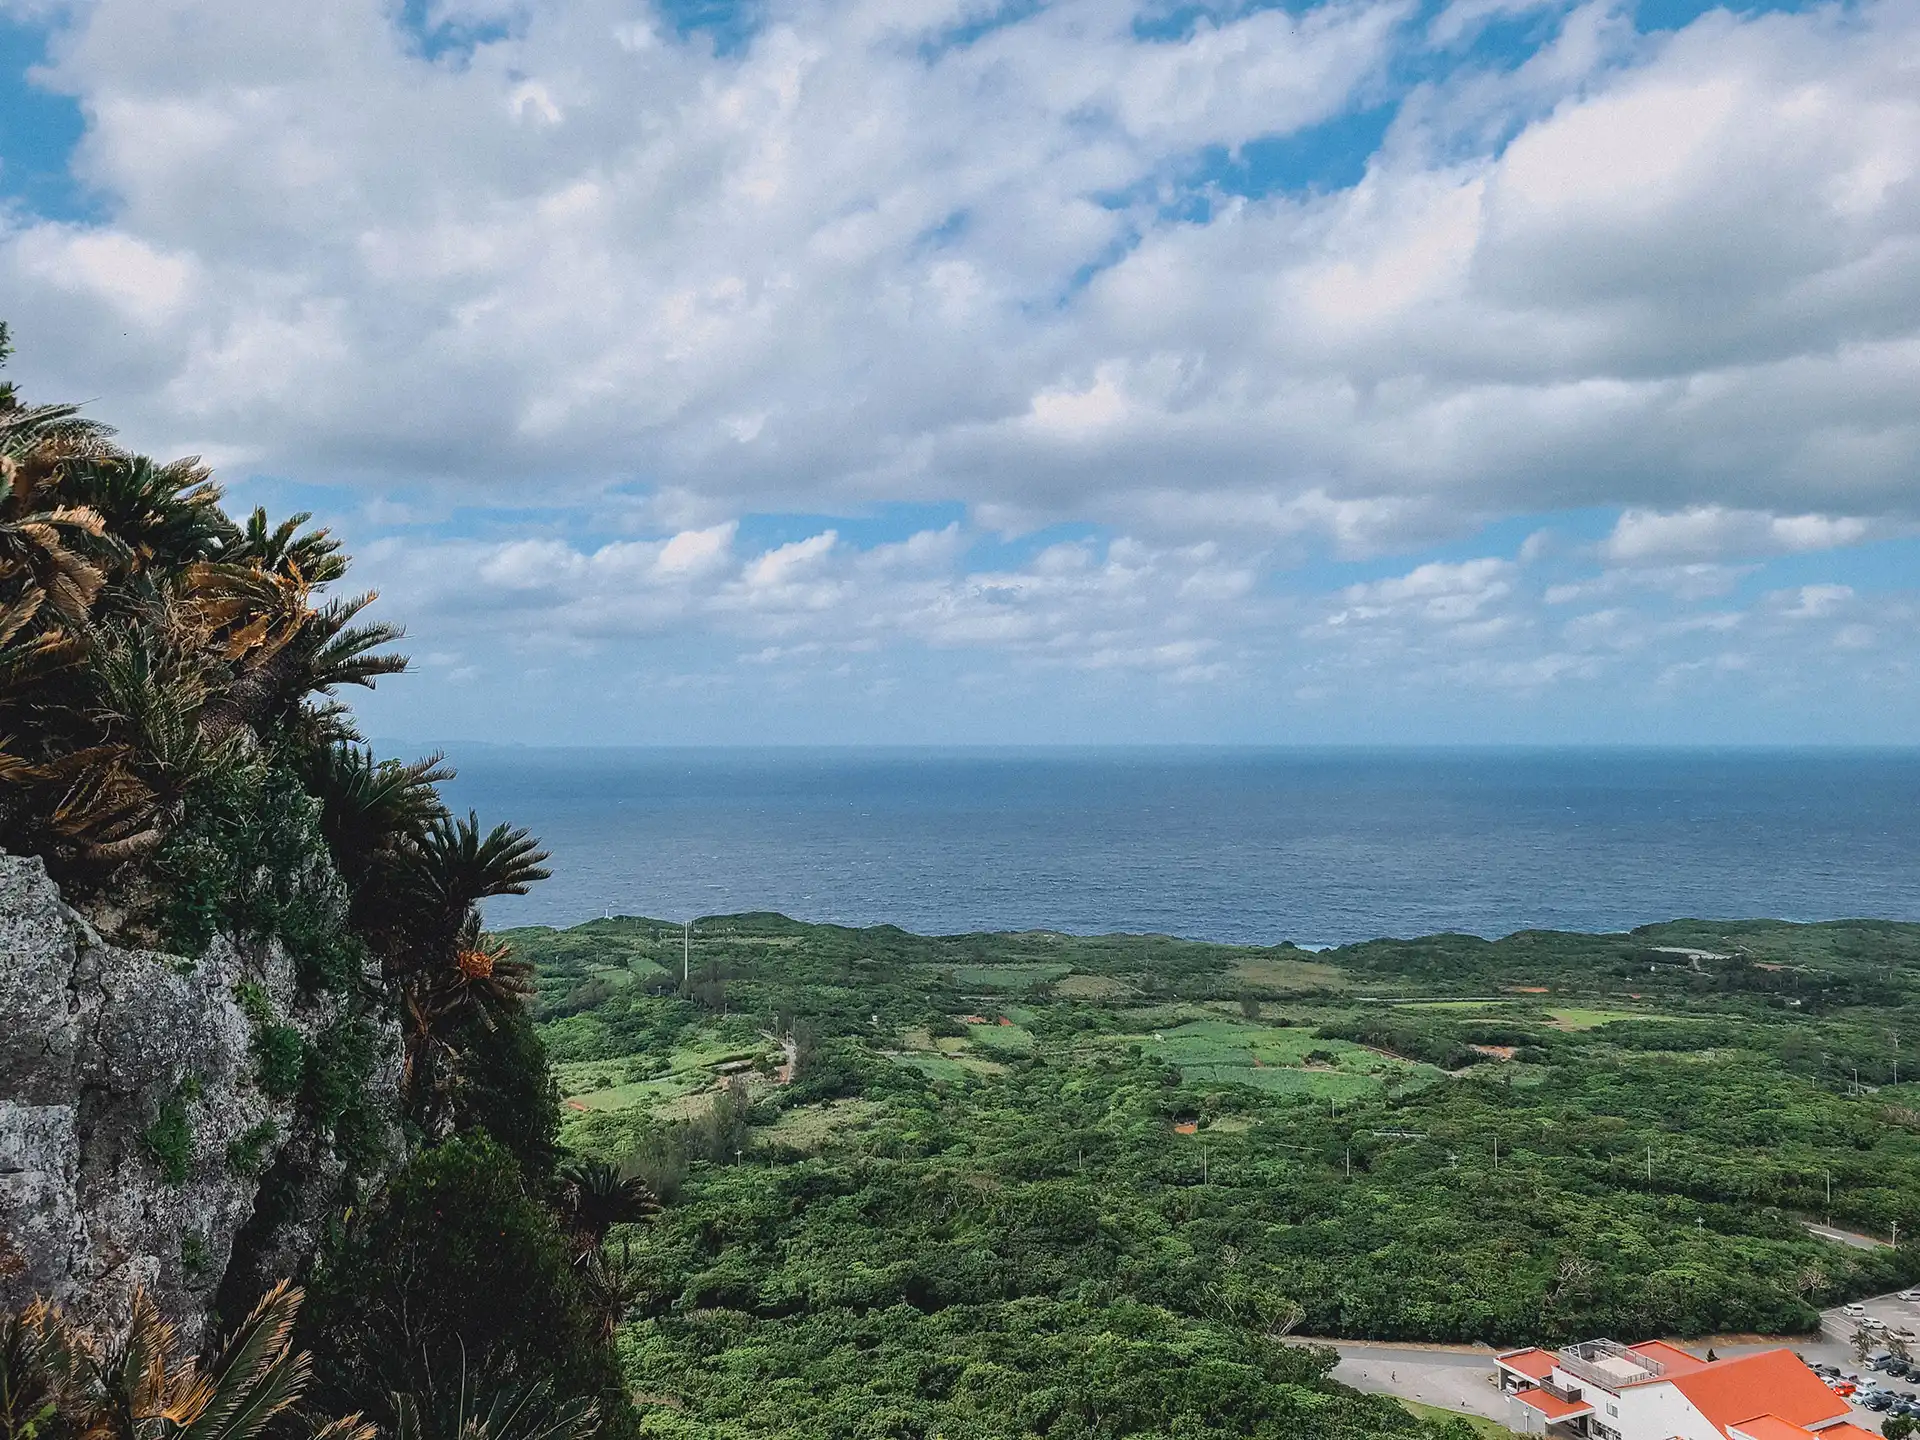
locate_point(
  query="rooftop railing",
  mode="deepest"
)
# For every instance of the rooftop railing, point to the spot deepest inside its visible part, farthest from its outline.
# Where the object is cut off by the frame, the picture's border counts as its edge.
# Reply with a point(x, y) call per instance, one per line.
point(1581, 1360)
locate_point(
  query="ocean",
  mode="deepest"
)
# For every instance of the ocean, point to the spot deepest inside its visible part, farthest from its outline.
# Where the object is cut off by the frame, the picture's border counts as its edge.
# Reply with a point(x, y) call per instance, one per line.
point(1315, 846)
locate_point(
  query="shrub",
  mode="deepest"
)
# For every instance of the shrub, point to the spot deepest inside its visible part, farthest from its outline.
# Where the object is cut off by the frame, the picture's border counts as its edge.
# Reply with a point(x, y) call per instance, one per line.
point(337, 1093)
point(278, 1050)
point(457, 1267)
point(195, 1259)
point(247, 1155)
point(506, 1089)
point(169, 1139)
point(248, 858)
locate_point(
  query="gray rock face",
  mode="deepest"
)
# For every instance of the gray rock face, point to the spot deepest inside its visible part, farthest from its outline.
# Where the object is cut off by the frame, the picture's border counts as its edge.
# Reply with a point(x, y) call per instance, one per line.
point(134, 1132)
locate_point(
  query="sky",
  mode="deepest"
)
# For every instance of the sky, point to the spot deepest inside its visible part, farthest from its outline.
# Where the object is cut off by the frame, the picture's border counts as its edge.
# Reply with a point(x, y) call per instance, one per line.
point(1097, 371)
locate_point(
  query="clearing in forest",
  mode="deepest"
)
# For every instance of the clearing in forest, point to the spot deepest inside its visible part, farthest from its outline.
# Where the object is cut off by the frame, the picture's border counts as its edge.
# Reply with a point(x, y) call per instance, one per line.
point(1282, 1059)
point(1574, 1018)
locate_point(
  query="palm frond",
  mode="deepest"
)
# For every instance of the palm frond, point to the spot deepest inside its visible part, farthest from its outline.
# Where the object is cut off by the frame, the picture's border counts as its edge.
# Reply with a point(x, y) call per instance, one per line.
point(257, 1374)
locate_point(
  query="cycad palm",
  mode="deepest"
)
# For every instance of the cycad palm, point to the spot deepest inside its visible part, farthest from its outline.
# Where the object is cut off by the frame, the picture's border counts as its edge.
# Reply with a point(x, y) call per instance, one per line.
point(58, 1383)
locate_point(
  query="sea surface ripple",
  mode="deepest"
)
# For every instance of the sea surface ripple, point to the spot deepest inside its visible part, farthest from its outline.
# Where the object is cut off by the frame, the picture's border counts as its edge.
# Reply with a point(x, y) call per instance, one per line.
point(1316, 846)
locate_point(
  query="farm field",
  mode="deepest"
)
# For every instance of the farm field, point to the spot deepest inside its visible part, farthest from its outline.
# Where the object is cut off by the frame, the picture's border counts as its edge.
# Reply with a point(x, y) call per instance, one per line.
point(988, 1140)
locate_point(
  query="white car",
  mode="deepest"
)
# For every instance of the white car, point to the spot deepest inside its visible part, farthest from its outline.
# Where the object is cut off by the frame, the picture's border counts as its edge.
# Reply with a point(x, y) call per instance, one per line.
point(1853, 1312)
point(1910, 1295)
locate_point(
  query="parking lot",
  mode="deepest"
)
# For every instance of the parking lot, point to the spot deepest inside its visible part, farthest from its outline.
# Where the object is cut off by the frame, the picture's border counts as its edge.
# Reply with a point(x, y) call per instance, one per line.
point(1835, 1348)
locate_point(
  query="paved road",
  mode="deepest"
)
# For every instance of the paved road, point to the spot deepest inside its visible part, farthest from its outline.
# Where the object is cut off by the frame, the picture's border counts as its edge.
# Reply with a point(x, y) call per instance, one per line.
point(1844, 1237)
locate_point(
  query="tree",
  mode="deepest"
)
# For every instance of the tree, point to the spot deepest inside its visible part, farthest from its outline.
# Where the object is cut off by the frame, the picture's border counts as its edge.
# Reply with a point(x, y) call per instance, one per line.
point(456, 1268)
point(595, 1197)
point(62, 1383)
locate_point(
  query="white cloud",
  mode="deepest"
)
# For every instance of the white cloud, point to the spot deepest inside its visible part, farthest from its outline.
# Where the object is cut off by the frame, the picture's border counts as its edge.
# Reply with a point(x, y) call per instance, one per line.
point(649, 285)
point(1117, 605)
point(844, 264)
point(1711, 532)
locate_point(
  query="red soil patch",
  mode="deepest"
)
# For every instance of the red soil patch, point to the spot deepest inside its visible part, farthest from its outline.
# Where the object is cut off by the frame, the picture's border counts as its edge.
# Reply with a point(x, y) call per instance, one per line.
point(1187, 1127)
point(1003, 1021)
point(1498, 1052)
point(575, 1105)
point(974, 1020)
point(1524, 989)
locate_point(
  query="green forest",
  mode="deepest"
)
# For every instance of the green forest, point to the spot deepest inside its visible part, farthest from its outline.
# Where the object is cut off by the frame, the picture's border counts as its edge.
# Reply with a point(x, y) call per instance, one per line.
point(1008, 1184)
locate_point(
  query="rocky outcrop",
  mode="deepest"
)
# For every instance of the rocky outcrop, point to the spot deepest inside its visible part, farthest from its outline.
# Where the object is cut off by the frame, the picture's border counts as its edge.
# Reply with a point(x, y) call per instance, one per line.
point(138, 1137)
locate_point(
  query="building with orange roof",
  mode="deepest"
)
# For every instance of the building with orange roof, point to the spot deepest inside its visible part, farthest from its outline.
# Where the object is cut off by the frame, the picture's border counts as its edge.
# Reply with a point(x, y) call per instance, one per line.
point(1603, 1390)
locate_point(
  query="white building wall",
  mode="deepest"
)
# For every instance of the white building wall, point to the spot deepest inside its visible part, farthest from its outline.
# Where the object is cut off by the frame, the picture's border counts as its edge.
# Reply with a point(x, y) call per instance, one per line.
point(1642, 1412)
point(1656, 1412)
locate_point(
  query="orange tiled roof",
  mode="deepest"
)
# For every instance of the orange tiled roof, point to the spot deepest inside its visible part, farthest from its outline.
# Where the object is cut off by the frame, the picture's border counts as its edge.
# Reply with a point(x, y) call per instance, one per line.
point(1772, 1382)
point(1772, 1427)
point(1672, 1358)
point(1533, 1362)
point(1846, 1430)
point(1552, 1406)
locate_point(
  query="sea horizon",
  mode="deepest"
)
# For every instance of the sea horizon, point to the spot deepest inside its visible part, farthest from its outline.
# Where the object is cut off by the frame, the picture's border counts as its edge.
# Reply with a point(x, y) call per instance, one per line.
point(1313, 844)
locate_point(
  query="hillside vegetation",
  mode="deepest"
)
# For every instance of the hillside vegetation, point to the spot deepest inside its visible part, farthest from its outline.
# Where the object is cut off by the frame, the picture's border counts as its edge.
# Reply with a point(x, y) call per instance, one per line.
point(173, 748)
point(1031, 1183)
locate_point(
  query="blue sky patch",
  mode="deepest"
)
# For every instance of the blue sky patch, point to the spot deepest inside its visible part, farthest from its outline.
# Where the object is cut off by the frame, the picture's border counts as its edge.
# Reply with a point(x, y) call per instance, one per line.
point(38, 132)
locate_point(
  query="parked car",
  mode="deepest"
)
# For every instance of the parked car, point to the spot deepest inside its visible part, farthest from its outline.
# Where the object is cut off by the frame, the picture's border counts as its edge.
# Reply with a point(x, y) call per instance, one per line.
point(1879, 1400)
point(1910, 1296)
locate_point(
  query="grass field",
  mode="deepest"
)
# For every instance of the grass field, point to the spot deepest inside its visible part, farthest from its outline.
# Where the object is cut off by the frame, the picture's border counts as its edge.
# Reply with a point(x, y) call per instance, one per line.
point(1091, 987)
point(1275, 1059)
point(638, 1093)
point(1013, 1039)
point(1574, 1018)
point(1479, 1424)
point(1016, 976)
point(1289, 974)
point(811, 1127)
point(946, 1067)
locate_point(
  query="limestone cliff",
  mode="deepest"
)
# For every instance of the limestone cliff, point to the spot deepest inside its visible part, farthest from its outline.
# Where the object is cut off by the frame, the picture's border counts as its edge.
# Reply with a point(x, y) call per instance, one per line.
point(158, 1115)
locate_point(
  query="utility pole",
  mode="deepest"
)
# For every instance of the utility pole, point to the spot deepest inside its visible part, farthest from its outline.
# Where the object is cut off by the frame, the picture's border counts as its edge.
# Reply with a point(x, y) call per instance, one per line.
point(1828, 1176)
point(1496, 1152)
point(686, 953)
point(1349, 1153)
point(1896, 1234)
point(1649, 1164)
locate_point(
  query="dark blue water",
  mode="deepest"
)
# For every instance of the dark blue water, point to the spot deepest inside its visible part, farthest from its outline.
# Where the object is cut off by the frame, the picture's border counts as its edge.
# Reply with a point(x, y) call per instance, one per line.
point(1314, 846)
